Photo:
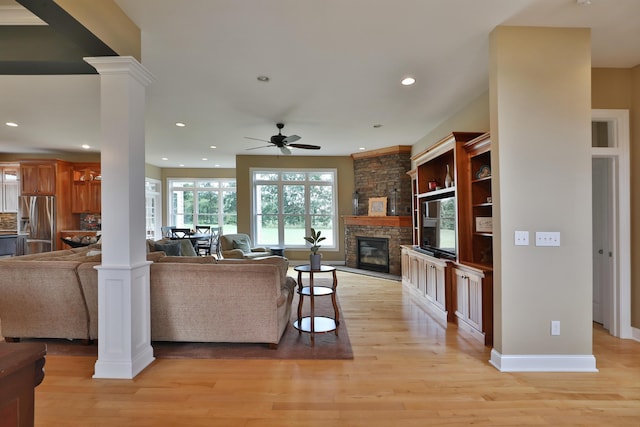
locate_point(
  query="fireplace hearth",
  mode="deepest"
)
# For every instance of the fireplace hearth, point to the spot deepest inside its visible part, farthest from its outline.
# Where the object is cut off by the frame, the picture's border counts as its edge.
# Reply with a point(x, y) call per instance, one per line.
point(373, 254)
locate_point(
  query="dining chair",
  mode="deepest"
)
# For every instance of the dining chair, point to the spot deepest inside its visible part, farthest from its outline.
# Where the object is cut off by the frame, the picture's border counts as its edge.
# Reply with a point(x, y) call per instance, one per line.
point(203, 244)
point(166, 231)
point(180, 233)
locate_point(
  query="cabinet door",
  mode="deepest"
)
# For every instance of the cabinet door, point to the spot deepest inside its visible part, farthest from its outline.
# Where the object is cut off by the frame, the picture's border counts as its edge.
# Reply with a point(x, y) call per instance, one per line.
point(80, 197)
point(28, 179)
point(95, 197)
point(469, 301)
point(10, 197)
point(46, 179)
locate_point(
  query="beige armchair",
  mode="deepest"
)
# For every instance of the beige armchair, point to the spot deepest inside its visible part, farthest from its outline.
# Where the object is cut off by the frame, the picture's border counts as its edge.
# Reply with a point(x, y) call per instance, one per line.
point(240, 246)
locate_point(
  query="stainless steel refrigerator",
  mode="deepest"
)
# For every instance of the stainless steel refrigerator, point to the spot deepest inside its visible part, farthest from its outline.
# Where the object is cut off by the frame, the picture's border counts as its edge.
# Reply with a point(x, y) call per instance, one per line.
point(37, 222)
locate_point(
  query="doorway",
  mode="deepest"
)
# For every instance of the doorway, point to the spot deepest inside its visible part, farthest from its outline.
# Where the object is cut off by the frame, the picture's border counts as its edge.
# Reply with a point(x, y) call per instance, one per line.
point(611, 221)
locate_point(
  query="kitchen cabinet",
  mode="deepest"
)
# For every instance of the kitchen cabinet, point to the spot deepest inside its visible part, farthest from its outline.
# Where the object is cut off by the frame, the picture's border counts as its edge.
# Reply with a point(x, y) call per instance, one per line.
point(9, 188)
point(86, 188)
point(37, 178)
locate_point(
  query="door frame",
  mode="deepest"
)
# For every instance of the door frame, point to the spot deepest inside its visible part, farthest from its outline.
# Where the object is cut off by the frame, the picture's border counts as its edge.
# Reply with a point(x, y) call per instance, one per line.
point(621, 192)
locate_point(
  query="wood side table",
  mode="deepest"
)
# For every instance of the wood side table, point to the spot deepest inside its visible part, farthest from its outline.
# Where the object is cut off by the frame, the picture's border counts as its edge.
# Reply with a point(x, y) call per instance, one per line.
point(21, 370)
point(313, 324)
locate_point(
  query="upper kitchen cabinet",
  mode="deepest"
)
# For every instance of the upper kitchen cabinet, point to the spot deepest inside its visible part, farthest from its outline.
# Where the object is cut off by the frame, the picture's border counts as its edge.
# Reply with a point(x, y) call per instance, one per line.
point(9, 188)
point(37, 178)
point(86, 188)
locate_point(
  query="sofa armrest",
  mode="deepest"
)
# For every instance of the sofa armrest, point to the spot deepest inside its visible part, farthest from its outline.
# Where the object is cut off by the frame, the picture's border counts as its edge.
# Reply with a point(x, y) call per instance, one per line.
point(260, 249)
point(232, 253)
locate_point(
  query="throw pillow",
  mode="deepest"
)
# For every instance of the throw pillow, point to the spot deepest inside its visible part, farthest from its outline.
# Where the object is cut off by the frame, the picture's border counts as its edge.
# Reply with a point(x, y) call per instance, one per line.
point(173, 247)
point(186, 247)
point(243, 245)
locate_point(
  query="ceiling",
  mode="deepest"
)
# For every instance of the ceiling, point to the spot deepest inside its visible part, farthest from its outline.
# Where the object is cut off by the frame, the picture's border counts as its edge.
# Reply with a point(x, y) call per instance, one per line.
point(334, 69)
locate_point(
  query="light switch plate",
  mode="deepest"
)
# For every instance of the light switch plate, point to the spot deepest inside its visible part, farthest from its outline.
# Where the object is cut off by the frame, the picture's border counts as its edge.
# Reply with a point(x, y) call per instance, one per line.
point(547, 238)
point(522, 238)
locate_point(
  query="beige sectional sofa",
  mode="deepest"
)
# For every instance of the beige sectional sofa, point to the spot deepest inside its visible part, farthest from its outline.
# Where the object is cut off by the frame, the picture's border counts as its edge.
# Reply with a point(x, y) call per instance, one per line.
point(200, 299)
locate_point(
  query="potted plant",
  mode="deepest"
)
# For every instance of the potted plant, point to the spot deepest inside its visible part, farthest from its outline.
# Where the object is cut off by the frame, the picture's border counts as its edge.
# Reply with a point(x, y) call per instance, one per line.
point(314, 239)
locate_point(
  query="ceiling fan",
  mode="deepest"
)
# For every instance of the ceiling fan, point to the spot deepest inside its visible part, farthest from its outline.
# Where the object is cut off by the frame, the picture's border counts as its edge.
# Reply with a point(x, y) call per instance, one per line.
point(283, 142)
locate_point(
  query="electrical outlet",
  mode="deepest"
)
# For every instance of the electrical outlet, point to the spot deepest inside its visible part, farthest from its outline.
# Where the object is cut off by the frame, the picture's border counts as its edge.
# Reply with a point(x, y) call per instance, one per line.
point(522, 238)
point(555, 327)
point(547, 238)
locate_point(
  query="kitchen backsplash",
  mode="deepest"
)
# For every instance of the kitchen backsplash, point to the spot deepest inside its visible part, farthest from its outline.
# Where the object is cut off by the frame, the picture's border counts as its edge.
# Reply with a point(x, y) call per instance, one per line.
point(9, 221)
point(90, 222)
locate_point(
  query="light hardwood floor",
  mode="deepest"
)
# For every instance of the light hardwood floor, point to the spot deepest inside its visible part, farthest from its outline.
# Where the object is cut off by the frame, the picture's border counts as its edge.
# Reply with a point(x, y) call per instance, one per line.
point(408, 371)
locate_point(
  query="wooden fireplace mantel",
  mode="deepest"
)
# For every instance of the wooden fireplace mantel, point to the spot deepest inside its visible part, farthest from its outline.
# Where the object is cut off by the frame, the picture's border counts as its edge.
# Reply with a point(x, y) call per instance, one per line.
point(378, 221)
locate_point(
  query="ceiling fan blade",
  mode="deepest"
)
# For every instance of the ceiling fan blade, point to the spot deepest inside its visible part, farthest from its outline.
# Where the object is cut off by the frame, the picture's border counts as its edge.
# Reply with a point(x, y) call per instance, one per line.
point(262, 146)
point(257, 139)
point(305, 146)
point(285, 150)
point(291, 138)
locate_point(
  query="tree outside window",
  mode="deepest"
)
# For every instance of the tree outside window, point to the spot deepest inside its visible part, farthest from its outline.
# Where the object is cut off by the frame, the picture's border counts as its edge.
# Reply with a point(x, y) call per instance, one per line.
point(288, 203)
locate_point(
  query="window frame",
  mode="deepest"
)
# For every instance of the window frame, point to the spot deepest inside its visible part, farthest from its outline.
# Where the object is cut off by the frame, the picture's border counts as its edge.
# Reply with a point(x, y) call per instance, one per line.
point(220, 189)
point(307, 214)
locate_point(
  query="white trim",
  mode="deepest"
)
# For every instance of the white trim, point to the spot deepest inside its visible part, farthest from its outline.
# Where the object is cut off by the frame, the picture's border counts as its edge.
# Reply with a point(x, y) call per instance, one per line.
point(543, 362)
point(621, 298)
point(635, 334)
point(18, 15)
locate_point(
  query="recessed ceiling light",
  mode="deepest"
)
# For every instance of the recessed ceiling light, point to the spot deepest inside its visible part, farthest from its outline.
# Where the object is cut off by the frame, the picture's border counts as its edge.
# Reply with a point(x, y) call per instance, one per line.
point(204, 158)
point(263, 78)
point(180, 124)
point(165, 158)
point(181, 165)
point(86, 146)
point(12, 124)
point(408, 81)
point(212, 146)
point(361, 148)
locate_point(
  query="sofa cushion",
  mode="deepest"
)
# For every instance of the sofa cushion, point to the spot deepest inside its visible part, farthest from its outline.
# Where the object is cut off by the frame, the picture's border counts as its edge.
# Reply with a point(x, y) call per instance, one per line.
point(186, 247)
point(243, 245)
point(171, 248)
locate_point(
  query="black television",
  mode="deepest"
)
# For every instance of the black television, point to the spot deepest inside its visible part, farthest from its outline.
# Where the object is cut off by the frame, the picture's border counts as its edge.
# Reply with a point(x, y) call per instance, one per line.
point(438, 226)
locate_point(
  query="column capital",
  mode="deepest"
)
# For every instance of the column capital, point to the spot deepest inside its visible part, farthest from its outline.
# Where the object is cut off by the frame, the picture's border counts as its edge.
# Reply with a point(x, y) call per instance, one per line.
point(113, 65)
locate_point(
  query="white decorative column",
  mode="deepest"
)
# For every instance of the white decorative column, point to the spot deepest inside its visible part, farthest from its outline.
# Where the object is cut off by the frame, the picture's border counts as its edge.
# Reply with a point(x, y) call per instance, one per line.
point(124, 329)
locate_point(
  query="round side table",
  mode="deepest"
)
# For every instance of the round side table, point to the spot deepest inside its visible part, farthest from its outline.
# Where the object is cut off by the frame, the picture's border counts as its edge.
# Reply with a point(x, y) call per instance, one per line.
point(313, 324)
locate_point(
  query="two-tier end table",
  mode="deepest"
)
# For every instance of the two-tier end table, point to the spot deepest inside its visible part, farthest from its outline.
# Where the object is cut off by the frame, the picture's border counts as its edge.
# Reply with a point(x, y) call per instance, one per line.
point(313, 324)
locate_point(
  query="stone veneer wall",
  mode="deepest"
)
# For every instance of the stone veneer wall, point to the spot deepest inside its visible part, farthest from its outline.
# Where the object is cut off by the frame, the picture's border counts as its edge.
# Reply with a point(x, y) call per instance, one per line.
point(378, 176)
point(397, 236)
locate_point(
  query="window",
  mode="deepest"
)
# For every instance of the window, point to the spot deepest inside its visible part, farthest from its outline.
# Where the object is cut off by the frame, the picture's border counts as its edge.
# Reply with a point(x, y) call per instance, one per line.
point(153, 207)
point(288, 203)
point(203, 202)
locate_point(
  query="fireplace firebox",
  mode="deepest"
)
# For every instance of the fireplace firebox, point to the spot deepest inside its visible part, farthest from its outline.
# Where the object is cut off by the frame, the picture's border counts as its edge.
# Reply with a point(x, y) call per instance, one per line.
point(373, 254)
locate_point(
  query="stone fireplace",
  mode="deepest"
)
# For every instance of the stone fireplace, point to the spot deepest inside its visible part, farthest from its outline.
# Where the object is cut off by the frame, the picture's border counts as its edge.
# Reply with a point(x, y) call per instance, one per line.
point(377, 174)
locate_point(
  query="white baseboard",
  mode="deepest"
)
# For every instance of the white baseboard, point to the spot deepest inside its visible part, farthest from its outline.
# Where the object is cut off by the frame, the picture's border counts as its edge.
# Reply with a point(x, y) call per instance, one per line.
point(635, 333)
point(543, 362)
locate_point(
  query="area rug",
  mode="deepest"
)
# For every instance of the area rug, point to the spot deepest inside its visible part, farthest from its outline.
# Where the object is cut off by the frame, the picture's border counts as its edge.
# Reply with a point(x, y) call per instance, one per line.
point(293, 345)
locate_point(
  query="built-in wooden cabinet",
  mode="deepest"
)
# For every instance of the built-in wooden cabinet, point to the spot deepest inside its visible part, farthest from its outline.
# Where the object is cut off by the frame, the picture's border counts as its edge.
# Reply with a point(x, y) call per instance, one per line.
point(475, 202)
point(86, 188)
point(9, 188)
point(425, 277)
point(38, 178)
point(458, 289)
point(474, 301)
